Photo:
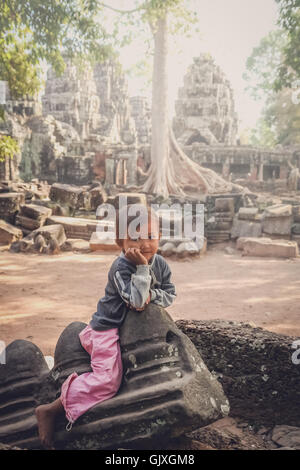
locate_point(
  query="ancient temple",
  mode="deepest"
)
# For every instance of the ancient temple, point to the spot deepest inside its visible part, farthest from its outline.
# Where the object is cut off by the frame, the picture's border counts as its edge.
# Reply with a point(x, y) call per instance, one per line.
point(205, 126)
point(205, 110)
point(83, 132)
point(88, 128)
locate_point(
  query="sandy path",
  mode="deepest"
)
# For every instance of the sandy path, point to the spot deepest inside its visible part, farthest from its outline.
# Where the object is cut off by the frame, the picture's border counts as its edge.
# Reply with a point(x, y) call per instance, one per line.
point(40, 295)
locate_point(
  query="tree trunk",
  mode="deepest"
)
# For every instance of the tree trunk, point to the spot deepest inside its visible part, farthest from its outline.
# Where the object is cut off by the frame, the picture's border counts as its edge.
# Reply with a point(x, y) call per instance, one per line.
point(171, 171)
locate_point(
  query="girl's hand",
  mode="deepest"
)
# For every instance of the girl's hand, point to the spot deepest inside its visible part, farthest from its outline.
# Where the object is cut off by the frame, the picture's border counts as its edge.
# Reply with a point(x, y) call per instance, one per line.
point(146, 303)
point(135, 255)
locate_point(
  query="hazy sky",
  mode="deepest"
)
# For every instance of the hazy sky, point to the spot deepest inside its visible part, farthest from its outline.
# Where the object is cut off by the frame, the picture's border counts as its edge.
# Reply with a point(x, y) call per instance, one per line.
point(229, 30)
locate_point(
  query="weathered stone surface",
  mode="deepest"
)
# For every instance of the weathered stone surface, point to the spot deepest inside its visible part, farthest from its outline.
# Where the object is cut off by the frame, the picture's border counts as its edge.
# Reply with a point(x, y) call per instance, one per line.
point(10, 205)
point(248, 213)
point(27, 222)
point(224, 205)
point(205, 107)
point(20, 381)
point(277, 219)
point(98, 196)
point(267, 247)
point(75, 227)
point(277, 225)
point(254, 366)
point(36, 212)
point(296, 214)
point(166, 390)
point(9, 233)
point(296, 229)
point(66, 194)
point(278, 210)
point(287, 436)
point(296, 238)
point(46, 239)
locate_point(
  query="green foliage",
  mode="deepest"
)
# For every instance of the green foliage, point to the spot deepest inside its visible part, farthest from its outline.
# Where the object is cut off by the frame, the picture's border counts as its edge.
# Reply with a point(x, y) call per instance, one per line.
point(8, 147)
point(264, 64)
point(280, 120)
point(289, 21)
point(33, 30)
point(283, 115)
point(263, 135)
point(22, 76)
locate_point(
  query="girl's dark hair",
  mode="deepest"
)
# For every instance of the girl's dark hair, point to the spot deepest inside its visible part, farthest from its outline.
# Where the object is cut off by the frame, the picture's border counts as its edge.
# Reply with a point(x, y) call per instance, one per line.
point(123, 213)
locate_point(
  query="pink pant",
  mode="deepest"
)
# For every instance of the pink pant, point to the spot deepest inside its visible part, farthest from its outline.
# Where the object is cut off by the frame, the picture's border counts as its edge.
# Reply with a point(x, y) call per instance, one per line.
point(79, 393)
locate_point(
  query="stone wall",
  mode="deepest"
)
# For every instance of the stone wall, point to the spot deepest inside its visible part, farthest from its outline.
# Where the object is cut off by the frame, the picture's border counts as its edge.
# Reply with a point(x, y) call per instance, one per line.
point(253, 365)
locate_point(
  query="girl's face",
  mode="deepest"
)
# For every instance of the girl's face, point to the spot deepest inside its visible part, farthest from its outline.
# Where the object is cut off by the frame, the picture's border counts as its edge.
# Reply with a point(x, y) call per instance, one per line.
point(147, 243)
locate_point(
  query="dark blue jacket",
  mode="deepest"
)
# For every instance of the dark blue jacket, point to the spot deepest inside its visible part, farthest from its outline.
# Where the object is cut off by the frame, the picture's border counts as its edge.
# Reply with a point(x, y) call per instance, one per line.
point(128, 287)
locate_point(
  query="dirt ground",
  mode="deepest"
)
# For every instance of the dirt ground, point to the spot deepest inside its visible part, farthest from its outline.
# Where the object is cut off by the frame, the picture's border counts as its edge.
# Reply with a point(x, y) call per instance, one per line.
point(40, 295)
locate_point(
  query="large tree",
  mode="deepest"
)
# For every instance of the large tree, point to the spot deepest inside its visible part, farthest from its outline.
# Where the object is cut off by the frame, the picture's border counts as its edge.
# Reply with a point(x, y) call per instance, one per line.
point(171, 171)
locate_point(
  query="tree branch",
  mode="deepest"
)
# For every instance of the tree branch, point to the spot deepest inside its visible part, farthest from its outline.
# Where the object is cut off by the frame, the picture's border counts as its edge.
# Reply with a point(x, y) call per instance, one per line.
point(141, 7)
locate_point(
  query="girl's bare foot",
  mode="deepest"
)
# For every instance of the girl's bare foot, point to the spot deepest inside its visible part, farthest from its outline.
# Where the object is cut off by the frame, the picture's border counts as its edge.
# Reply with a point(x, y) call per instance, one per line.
point(46, 415)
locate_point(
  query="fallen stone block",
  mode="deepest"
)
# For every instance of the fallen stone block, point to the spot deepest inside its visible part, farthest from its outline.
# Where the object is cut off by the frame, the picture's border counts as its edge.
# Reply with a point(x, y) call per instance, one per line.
point(287, 436)
point(277, 225)
point(278, 210)
point(10, 205)
point(9, 233)
point(75, 227)
point(98, 196)
point(296, 229)
point(245, 228)
point(36, 212)
point(296, 238)
point(248, 213)
point(254, 366)
point(67, 194)
point(266, 247)
point(224, 205)
point(56, 209)
point(296, 214)
point(27, 223)
point(46, 239)
point(166, 391)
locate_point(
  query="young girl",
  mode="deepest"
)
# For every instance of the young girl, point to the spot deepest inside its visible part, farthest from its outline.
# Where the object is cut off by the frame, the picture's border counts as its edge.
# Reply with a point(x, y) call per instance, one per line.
point(138, 276)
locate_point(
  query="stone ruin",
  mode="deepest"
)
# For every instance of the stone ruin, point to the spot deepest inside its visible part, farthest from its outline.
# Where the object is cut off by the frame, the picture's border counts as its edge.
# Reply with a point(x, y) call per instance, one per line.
point(84, 131)
point(205, 110)
point(92, 142)
point(89, 129)
point(206, 127)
